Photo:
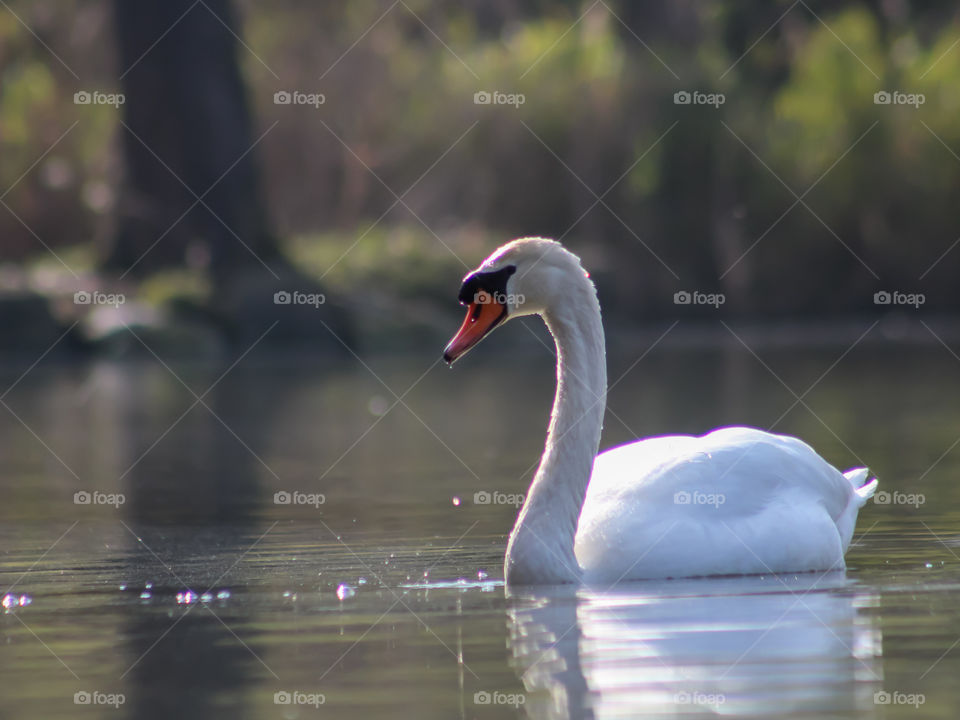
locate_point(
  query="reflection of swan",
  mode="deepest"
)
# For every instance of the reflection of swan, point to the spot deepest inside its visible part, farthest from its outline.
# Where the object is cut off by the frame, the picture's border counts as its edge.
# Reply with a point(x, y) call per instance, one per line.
point(712, 646)
point(735, 501)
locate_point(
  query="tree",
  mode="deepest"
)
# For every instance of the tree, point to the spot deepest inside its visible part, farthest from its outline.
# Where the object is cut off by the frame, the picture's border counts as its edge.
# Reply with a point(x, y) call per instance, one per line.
point(192, 195)
point(188, 134)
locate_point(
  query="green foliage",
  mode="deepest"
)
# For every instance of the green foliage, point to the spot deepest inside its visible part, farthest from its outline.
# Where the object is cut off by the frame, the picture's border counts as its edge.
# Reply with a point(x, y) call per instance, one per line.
point(598, 87)
point(828, 101)
point(395, 259)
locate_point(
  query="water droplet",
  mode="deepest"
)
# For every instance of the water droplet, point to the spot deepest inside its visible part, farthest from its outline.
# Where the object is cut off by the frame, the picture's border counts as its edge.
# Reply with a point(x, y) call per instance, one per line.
point(9, 600)
point(145, 595)
point(186, 598)
point(378, 405)
point(456, 501)
point(123, 587)
point(149, 586)
point(344, 591)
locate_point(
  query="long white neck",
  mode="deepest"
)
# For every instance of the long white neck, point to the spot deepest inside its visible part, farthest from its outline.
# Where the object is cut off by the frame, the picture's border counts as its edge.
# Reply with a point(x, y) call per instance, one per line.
point(541, 547)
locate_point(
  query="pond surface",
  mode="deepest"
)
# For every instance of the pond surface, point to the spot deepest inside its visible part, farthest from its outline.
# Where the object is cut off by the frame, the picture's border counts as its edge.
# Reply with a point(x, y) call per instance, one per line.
point(188, 587)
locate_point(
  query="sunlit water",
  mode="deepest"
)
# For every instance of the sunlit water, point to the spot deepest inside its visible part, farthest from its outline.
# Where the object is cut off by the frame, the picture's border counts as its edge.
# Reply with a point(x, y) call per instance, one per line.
point(377, 591)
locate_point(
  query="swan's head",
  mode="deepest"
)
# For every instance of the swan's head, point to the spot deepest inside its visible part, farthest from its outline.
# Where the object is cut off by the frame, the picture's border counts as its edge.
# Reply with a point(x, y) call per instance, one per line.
point(523, 277)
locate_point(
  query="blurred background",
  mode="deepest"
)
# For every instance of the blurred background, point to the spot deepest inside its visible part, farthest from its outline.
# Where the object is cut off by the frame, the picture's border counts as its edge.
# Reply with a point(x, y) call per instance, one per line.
point(187, 160)
point(231, 239)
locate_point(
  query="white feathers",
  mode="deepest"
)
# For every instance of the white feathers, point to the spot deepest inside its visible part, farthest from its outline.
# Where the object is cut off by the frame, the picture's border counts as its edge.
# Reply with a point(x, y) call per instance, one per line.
point(734, 501)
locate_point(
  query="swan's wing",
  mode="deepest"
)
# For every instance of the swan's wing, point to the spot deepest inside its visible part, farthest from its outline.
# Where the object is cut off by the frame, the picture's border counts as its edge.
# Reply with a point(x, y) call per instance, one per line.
point(749, 468)
point(737, 499)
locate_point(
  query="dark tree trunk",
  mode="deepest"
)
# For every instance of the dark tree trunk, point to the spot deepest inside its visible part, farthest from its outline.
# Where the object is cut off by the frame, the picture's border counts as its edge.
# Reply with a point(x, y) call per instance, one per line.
point(186, 106)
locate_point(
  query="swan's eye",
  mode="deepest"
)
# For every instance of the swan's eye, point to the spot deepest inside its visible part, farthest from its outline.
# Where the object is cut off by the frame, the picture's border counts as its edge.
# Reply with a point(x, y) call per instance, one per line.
point(493, 283)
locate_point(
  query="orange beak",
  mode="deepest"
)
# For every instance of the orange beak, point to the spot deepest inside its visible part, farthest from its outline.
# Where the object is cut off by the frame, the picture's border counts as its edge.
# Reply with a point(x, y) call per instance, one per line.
point(481, 319)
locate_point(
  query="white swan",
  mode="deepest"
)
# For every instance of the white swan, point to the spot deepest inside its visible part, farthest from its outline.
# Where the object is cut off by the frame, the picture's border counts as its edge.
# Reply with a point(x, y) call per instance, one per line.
point(734, 501)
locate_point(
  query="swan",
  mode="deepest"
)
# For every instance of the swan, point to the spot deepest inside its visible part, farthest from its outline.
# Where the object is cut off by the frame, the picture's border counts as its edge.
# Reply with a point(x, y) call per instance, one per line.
point(736, 501)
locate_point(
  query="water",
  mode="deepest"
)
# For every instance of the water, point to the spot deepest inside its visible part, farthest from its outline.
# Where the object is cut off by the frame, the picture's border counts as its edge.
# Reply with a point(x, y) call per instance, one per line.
point(377, 590)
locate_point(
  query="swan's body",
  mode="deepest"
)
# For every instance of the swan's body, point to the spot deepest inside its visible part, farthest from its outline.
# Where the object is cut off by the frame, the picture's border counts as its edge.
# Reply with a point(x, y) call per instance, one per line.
point(734, 501)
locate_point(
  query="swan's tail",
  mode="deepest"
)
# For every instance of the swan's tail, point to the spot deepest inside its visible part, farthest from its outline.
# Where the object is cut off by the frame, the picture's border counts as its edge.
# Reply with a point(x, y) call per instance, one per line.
point(863, 486)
